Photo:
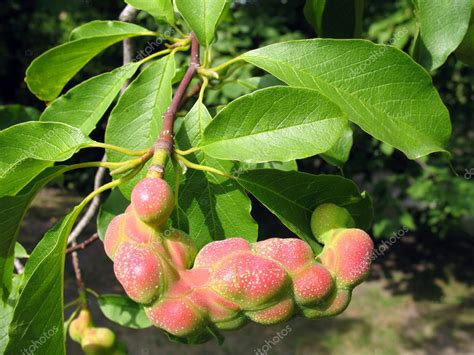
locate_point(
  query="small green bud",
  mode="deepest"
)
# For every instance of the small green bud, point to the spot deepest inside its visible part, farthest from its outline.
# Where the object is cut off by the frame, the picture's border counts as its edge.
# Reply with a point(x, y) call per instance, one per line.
point(329, 216)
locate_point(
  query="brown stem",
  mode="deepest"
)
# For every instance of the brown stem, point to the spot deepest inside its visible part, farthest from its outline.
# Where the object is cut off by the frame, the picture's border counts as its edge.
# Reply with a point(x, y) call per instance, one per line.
point(82, 245)
point(163, 148)
point(166, 136)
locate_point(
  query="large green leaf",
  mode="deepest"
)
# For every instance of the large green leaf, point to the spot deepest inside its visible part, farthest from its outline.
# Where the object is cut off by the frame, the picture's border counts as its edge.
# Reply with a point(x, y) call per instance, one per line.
point(6, 312)
point(202, 16)
point(274, 124)
point(381, 88)
point(122, 310)
point(12, 212)
point(325, 17)
point(160, 9)
point(100, 28)
point(29, 148)
point(39, 313)
point(136, 120)
point(84, 105)
point(292, 196)
point(14, 114)
point(443, 24)
point(215, 206)
point(48, 74)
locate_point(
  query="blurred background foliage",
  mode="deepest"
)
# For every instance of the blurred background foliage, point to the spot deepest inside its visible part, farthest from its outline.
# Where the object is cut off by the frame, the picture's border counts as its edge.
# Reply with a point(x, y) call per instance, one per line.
point(434, 194)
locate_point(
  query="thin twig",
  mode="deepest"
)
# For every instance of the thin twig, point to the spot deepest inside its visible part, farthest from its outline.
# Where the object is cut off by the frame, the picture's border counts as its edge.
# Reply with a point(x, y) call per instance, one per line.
point(77, 271)
point(93, 207)
point(82, 245)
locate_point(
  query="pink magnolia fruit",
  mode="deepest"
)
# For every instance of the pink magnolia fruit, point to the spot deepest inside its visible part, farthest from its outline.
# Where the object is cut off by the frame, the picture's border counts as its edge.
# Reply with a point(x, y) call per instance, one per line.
point(231, 281)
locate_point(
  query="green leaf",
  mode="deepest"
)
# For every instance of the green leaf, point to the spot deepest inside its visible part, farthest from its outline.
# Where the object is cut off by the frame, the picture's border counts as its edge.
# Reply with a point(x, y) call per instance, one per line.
point(114, 205)
point(84, 105)
point(338, 155)
point(162, 10)
point(292, 196)
point(325, 17)
point(381, 88)
point(49, 73)
point(443, 25)
point(215, 206)
point(274, 124)
point(101, 28)
point(40, 310)
point(14, 114)
point(136, 120)
point(202, 16)
point(29, 148)
point(6, 312)
point(122, 310)
point(12, 212)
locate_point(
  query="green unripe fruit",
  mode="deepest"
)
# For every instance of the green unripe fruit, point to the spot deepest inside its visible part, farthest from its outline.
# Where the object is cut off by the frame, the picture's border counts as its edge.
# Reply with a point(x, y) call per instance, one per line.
point(98, 341)
point(465, 51)
point(79, 325)
point(329, 216)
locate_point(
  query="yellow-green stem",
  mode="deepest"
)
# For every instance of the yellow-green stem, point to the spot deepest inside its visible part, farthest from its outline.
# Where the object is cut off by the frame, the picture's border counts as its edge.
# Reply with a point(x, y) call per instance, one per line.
point(225, 65)
point(205, 168)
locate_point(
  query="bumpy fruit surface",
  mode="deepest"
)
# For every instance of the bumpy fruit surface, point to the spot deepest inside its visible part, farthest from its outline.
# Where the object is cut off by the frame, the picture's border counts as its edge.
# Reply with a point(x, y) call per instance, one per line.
point(79, 325)
point(94, 341)
point(98, 341)
point(233, 281)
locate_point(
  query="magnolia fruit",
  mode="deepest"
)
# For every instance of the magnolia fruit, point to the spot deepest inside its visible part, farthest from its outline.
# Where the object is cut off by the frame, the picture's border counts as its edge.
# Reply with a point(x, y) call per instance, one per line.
point(229, 282)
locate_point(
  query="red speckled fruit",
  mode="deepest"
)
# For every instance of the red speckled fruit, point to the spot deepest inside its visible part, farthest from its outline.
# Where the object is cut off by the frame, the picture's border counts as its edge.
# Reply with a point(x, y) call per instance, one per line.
point(113, 236)
point(348, 255)
point(217, 307)
point(139, 271)
point(176, 316)
point(215, 251)
point(280, 312)
point(249, 280)
point(138, 231)
point(312, 285)
point(180, 248)
point(292, 253)
point(153, 201)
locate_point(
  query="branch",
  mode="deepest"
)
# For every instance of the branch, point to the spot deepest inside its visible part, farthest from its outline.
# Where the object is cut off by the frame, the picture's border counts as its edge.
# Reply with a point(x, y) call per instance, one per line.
point(166, 137)
point(82, 245)
point(128, 14)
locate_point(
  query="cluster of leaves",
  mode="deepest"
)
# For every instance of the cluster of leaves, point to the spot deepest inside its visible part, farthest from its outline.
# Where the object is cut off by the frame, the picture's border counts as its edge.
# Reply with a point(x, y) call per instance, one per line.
point(315, 93)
